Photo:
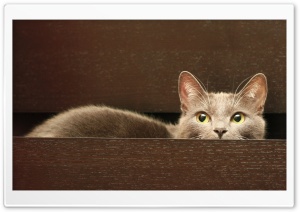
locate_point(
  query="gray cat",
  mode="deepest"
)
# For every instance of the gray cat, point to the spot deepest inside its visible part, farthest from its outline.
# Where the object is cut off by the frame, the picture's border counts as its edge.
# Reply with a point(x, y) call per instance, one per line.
point(204, 116)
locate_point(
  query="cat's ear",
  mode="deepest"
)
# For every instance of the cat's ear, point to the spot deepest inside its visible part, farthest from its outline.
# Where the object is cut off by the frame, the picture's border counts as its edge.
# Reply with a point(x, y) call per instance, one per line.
point(190, 90)
point(254, 93)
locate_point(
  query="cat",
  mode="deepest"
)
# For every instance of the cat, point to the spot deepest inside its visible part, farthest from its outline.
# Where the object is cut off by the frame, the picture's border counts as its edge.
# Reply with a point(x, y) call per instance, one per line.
point(222, 115)
point(203, 116)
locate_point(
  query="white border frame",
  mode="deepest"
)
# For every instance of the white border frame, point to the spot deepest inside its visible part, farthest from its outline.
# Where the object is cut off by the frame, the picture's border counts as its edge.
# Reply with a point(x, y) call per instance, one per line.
point(147, 198)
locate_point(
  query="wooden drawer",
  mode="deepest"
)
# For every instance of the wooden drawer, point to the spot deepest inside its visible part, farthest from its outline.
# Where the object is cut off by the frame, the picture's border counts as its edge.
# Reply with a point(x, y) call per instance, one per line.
point(148, 164)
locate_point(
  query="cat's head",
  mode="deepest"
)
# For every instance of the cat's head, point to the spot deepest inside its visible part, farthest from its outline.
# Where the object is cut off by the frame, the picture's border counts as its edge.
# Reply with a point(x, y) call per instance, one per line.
point(222, 115)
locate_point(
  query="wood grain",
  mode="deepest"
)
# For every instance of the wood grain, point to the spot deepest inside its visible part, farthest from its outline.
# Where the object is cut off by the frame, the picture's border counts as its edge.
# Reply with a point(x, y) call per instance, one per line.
point(58, 64)
point(147, 164)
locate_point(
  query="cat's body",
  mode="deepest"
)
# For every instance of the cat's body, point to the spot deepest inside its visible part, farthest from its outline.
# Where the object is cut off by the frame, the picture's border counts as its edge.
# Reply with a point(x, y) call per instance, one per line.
point(204, 116)
point(101, 121)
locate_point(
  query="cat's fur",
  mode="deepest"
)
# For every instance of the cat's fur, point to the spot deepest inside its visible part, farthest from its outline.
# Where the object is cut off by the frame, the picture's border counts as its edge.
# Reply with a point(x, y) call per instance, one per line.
point(101, 121)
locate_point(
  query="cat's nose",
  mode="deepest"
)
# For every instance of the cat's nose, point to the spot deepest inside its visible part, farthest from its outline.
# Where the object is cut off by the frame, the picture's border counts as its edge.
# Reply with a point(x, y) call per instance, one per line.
point(220, 132)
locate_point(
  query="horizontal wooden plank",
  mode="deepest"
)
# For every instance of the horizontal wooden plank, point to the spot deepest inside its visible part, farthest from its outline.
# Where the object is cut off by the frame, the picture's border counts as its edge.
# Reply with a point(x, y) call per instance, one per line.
point(135, 65)
point(148, 164)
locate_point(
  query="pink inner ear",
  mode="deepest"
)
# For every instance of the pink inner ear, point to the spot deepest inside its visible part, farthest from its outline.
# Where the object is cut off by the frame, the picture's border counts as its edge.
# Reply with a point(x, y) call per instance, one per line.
point(189, 87)
point(186, 81)
point(257, 89)
point(184, 96)
point(183, 91)
point(255, 92)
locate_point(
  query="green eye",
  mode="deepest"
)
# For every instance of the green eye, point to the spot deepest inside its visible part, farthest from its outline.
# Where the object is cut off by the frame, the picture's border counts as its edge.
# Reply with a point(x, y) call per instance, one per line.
point(238, 118)
point(202, 117)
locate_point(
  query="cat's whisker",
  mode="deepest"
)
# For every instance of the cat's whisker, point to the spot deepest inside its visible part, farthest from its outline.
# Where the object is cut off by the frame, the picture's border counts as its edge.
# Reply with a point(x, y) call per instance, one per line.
point(237, 96)
point(207, 94)
point(202, 98)
point(194, 92)
point(235, 93)
point(241, 84)
point(207, 102)
point(205, 89)
point(240, 98)
point(204, 103)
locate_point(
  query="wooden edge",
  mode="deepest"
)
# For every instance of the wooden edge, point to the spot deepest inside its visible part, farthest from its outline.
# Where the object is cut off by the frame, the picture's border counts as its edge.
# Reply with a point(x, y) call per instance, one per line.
point(148, 164)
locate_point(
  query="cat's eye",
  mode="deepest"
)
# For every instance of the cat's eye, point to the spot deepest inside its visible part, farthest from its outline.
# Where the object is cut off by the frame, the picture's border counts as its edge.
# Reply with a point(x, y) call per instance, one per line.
point(202, 117)
point(238, 118)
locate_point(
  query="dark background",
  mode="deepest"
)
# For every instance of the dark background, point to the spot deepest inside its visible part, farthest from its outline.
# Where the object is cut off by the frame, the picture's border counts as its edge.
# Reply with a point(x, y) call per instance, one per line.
point(136, 64)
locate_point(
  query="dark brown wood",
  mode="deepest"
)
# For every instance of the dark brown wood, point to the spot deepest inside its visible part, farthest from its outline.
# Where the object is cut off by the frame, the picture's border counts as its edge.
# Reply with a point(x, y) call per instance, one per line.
point(147, 164)
point(59, 64)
